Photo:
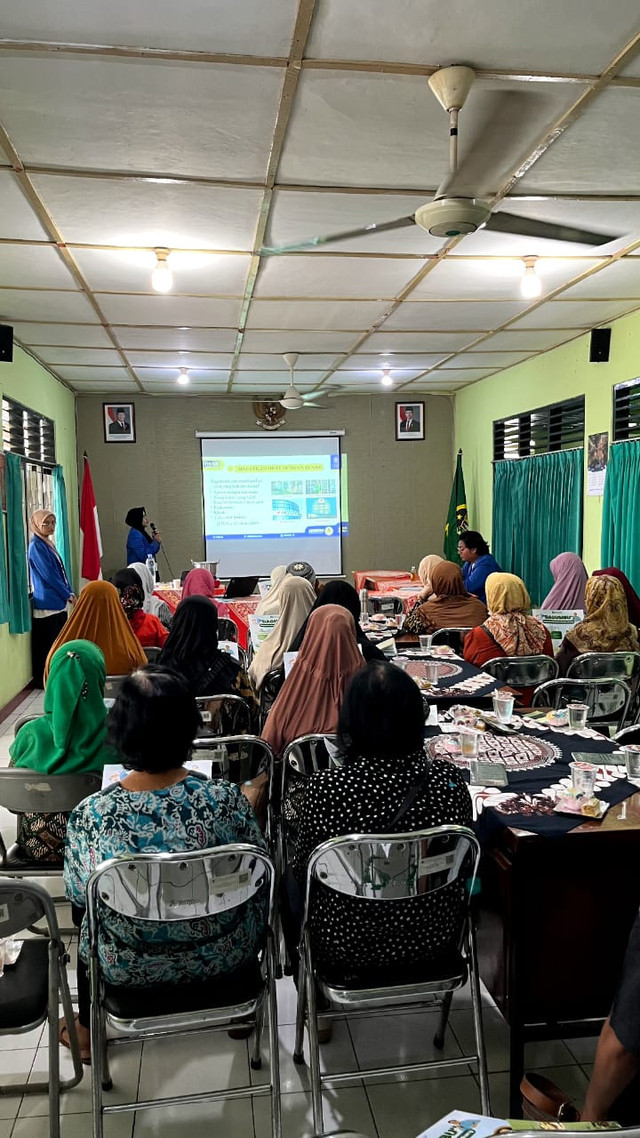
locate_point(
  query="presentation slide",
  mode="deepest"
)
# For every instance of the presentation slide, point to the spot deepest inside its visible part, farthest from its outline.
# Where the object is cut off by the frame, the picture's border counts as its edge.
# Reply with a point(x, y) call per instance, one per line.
point(270, 501)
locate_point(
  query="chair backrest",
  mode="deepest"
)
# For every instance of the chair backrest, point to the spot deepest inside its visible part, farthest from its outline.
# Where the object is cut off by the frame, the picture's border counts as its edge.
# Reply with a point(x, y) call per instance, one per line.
point(607, 700)
point(627, 736)
point(244, 755)
point(227, 629)
point(453, 636)
point(180, 887)
point(223, 714)
point(394, 867)
point(21, 722)
point(112, 686)
point(522, 671)
point(390, 605)
point(310, 753)
point(24, 792)
point(152, 654)
point(269, 689)
point(605, 666)
point(22, 903)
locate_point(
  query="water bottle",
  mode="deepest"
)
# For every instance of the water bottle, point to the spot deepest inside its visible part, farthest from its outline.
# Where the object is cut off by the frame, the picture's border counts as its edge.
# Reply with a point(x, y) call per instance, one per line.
point(151, 566)
point(364, 602)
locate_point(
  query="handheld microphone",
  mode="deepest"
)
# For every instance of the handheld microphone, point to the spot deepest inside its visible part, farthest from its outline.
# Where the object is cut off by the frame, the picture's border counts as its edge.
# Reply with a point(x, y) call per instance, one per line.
point(153, 528)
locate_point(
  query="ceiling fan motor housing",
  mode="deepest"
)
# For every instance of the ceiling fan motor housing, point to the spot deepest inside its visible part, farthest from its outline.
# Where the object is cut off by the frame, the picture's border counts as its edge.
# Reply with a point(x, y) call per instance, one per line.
point(452, 217)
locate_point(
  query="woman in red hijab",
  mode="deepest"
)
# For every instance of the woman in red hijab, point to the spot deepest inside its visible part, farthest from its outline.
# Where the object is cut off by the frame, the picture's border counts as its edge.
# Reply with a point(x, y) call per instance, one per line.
point(202, 583)
point(633, 600)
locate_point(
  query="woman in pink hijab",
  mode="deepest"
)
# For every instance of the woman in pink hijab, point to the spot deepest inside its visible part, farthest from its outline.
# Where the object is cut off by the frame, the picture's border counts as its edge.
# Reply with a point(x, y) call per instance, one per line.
point(201, 583)
point(570, 578)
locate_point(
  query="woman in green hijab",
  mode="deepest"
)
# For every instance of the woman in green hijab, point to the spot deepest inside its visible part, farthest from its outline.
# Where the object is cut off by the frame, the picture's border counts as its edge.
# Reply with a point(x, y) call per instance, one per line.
point(70, 738)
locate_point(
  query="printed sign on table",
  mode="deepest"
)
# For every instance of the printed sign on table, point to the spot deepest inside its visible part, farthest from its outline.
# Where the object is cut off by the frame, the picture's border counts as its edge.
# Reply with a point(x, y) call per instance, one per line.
point(558, 622)
point(260, 627)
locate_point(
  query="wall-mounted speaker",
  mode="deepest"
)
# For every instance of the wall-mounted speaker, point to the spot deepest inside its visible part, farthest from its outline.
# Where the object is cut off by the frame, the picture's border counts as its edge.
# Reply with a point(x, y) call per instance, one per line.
point(6, 344)
point(599, 346)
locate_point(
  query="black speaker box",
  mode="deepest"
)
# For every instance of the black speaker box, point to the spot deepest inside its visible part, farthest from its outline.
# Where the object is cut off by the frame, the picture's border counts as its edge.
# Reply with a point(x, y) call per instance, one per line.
point(6, 344)
point(599, 346)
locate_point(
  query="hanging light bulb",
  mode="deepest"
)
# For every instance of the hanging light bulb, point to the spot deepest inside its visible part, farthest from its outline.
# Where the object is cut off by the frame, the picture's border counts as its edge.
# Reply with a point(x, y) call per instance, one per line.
point(162, 277)
point(386, 379)
point(530, 283)
point(183, 378)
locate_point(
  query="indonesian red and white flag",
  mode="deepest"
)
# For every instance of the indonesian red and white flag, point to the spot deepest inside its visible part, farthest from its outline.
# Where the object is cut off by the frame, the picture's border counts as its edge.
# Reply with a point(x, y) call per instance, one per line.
point(90, 540)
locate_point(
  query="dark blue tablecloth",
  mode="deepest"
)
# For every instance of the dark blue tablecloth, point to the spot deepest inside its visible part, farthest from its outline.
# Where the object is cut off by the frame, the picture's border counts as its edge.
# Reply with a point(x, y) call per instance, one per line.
point(446, 690)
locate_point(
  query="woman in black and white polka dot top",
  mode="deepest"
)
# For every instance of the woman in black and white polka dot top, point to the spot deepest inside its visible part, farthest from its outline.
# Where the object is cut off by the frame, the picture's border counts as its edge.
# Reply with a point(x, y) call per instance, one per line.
point(381, 728)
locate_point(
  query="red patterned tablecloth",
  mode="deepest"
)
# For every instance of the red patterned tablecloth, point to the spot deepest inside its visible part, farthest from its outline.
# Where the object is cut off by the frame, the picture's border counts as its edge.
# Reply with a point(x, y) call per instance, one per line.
point(170, 596)
point(378, 578)
point(240, 609)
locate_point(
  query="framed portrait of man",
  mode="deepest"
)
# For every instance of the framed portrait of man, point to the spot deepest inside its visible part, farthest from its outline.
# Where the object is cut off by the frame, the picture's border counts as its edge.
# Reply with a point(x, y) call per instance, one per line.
point(409, 421)
point(119, 422)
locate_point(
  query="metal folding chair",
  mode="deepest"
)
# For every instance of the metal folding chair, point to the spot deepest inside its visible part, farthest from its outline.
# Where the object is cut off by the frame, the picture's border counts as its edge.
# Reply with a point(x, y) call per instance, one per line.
point(33, 987)
point(30, 792)
point(453, 636)
point(628, 735)
point(152, 654)
point(21, 722)
point(607, 700)
point(522, 671)
point(269, 689)
point(610, 666)
point(300, 759)
point(112, 686)
point(227, 629)
point(172, 890)
point(377, 869)
point(239, 758)
point(223, 714)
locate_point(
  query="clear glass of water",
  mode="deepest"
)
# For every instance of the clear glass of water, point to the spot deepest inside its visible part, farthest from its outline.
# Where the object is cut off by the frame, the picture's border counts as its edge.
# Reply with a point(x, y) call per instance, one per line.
point(425, 642)
point(400, 662)
point(468, 743)
point(431, 672)
point(583, 778)
point(503, 706)
point(577, 715)
point(632, 763)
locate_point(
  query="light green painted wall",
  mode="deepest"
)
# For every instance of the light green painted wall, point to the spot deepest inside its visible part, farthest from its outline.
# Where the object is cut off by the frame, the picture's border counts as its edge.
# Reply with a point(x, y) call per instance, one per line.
point(560, 374)
point(29, 383)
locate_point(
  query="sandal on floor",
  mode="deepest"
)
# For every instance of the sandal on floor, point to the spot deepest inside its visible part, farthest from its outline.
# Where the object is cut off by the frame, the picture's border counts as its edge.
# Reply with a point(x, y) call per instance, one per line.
point(63, 1038)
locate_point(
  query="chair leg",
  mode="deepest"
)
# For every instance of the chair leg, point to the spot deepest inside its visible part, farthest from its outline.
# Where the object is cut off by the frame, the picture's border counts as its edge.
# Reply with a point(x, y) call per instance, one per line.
point(74, 1046)
point(314, 1048)
point(476, 1003)
point(274, 1046)
point(298, 1047)
point(99, 1065)
point(54, 1049)
point(438, 1039)
point(256, 1057)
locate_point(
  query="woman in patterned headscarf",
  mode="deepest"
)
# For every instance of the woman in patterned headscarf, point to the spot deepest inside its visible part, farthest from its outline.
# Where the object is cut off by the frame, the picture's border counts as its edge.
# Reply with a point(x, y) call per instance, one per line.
point(606, 626)
point(508, 631)
point(148, 628)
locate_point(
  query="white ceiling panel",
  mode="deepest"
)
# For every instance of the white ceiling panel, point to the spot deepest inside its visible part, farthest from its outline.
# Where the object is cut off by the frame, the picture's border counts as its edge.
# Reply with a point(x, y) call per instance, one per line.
point(545, 36)
point(391, 342)
point(89, 374)
point(300, 215)
point(360, 129)
point(457, 278)
point(107, 387)
point(203, 388)
point(321, 315)
point(397, 366)
point(173, 311)
point(169, 375)
point(204, 273)
point(132, 114)
point(622, 279)
point(438, 343)
point(313, 275)
point(33, 266)
point(529, 340)
point(171, 339)
point(71, 335)
point(101, 356)
point(373, 375)
point(287, 341)
point(16, 304)
point(175, 360)
point(456, 375)
point(276, 379)
point(575, 314)
point(484, 359)
point(259, 27)
point(307, 361)
point(151, 214)
point(455, 315)
point(599, 152)
point(17, 218)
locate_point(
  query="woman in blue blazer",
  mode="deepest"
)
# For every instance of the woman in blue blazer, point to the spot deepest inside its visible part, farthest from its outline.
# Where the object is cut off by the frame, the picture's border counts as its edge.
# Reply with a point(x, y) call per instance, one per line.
point(51, 591)
point(139, 543)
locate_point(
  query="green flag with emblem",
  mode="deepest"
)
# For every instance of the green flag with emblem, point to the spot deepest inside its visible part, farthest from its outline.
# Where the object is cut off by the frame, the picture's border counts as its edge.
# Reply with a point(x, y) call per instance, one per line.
point(457, 520)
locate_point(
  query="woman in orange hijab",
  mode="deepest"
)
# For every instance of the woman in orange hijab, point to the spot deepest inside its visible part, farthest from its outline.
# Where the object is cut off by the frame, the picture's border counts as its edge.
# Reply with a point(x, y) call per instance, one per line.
point(99, 617)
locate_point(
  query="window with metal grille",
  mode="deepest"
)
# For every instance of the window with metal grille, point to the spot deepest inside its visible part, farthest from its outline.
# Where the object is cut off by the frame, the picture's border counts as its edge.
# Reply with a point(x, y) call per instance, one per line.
point(27, 433)
point(626, 411)
point(557, 427)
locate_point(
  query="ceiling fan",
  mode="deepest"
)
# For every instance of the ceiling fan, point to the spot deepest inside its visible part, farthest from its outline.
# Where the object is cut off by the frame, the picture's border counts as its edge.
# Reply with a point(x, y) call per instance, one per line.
point(293, 399)
point(456, 210)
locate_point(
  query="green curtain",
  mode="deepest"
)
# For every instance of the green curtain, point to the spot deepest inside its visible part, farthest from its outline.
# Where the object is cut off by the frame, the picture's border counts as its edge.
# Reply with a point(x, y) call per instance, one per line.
point(19, 608)
point(621, 511)
point(63, 544)
point(4, 593)
point(537, 513)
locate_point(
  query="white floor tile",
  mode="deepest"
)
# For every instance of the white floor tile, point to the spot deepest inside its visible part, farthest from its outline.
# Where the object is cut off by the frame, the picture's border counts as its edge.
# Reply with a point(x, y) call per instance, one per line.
point(345, 1108)
point(287, 1000)
point(5, 1128)
point(192, 1063)
point(125, 1069)
point(229, 1119)
point(29, 1040)
point(403, 1110)
point(338, 1055)
point(74, 1126)
point(543, 1053)
point(583, 1049)
point(387, 1041)
point(9, 1105)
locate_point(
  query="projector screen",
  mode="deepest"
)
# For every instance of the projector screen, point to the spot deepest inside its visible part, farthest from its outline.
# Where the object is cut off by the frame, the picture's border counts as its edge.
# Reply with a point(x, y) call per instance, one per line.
point(272, 500)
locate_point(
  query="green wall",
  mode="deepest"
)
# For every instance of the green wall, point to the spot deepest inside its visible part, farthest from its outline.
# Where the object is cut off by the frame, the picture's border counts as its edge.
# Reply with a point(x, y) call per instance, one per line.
point(30, 384)
point(560, 374)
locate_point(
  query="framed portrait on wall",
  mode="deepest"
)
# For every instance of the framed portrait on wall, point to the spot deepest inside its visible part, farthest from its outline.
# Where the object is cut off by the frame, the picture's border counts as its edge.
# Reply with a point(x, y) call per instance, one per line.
point(409, 421)
point(119, 422)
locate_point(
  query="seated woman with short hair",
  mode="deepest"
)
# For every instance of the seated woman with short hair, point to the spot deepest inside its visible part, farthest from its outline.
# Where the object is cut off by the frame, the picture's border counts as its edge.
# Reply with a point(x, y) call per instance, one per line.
point(160, 807)
point(148, 628)
point(449, 606)
point(606, 626)
point(381, 731)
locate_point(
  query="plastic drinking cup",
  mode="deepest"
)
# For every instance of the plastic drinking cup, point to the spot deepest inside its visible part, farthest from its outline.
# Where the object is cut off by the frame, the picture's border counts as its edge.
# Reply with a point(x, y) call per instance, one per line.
point(632, 762)
point(432, 672)
point(583, 777)
point(503, 706)
point(425, 643)
point(577, 715)
point(469, 743)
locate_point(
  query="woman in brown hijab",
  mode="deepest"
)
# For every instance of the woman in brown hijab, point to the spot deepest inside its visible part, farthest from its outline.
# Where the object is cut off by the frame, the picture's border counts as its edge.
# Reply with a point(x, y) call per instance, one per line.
point(99, 617)
point(606, 626)
point(451, 606)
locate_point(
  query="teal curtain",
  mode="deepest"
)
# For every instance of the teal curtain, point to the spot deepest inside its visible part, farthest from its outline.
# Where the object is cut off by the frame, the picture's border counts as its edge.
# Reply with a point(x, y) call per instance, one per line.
point(63, 545)
point(19, 608)
point(621, 511)
point(537, 513)
point(4, 593)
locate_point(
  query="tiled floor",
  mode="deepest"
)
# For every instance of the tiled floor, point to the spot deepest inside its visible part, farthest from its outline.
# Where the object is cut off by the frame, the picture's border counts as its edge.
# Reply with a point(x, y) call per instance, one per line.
point(384, 1108)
